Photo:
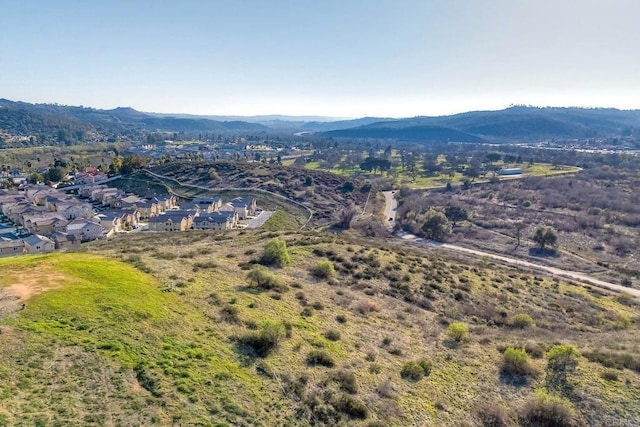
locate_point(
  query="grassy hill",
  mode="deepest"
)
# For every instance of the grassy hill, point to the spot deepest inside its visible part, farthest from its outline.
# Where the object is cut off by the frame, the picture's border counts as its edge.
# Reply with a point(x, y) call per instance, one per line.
point(168, 329)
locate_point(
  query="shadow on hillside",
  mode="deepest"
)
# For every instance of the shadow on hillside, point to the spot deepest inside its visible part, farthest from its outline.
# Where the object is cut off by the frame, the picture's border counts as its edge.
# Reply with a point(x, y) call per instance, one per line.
point(514, 380)
point(546, 253)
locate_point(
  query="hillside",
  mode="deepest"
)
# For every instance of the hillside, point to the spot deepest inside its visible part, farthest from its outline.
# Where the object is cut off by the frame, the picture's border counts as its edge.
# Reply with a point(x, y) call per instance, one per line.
point(520, 123)
point(323, 192)
point(58, 124)
point(162, 329)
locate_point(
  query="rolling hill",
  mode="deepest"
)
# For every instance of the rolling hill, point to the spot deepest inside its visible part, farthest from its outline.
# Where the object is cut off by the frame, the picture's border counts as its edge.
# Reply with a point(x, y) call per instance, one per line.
point(515, 123)
point(184, 329)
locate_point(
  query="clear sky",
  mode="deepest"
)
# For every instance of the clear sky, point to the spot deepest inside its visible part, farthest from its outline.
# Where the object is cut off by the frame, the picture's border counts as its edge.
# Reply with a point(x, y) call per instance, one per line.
point(344, 58)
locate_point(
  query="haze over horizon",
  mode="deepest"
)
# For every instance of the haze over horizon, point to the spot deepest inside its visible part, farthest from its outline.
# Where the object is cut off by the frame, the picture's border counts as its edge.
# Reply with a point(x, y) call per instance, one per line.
point(332, 58)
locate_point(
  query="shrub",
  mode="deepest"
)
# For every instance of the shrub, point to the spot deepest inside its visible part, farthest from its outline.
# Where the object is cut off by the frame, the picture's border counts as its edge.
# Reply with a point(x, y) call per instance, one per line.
point(324, 269)
point(522, 321)
point(351, 406)
point(230, 313)
point(414, 371)
point(609, 375)
point(458, 331)
point(425, 364)
point(266, 339)
point(493, 415)
point(320, 358)
point(346, 380)
point(545, 412)
point(562, 357)
point(516, 362)
point(367, 306)
point(260, 277)
point(275, 253)
point(332, 335)
point(341, 318)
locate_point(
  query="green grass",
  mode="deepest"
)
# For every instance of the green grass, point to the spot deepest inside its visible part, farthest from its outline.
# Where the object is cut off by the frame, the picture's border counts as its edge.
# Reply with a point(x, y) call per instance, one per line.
point(108, 309)
point(281, 220)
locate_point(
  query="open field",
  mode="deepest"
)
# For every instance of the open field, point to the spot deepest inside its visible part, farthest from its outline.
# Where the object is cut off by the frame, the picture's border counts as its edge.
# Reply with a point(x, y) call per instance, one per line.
point(439, 180)
point(593, 211)
point(153, 329)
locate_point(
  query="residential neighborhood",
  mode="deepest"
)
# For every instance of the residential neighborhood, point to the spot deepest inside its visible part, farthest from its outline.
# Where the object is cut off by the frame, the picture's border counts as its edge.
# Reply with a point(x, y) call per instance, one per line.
point(42, 219)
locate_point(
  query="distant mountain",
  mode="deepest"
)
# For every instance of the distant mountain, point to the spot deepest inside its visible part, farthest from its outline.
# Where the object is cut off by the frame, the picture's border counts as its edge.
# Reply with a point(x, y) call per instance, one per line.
point(511, 124)
point(409, 133)
point(52, 123)
point(22, 123)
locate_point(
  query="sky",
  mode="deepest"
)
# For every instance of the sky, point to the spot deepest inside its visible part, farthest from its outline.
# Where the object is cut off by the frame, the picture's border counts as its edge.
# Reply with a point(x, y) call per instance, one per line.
point(339, 58)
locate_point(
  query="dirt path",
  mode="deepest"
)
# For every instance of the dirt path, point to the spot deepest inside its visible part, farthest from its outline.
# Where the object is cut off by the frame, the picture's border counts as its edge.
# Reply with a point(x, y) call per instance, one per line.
point(391, 204)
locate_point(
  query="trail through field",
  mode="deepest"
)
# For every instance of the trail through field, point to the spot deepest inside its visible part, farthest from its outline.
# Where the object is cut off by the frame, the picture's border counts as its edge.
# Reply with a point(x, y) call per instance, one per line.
point(390, 204)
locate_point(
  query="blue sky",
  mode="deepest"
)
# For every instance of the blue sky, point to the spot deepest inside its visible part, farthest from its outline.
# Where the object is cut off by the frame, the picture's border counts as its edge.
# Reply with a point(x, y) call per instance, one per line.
point(346, 58)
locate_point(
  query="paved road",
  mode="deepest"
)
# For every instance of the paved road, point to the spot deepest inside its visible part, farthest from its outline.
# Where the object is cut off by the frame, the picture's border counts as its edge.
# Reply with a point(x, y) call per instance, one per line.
point(391, 203)
point(390, 206)
point(258, 221)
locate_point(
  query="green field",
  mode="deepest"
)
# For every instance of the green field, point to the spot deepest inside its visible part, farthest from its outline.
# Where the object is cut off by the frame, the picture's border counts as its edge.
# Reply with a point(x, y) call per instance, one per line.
point(438, 180)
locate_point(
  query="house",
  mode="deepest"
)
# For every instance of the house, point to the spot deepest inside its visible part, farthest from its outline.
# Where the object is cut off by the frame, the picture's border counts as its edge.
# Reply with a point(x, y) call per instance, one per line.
point(116, 220)
point(44, 223)
point(72, 209)
point(9, 247)
point(171, 221)
point(243, 206)
point(166, 203)
point(36, 243)
point(64, 241)
point(204, 204)
point(215, 221)
point(85, 230)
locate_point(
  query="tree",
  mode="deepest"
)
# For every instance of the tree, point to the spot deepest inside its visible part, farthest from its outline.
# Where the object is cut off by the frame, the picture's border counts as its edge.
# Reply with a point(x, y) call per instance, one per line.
point(436, 226)
point(56, 174)
point(455, 214)
point(36, 178)
point(545, 236)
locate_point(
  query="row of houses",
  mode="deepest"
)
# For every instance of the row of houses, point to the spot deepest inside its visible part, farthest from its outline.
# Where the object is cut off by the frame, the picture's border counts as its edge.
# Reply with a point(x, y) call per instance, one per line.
point(50, 214)
point(205, 214)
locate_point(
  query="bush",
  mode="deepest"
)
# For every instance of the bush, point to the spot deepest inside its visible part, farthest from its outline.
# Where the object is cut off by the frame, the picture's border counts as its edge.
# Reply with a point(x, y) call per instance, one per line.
point(458, 331)
point(320, 358)
point(266, 339)
point(545, 412)
point(275, 253)
point(352, 407)
point(414, 371)
point(609, 375)
point(522, 321)
point(493, 415)
point(260, 277)
point(324, 269)
point(332, 335)
point(346, 380)
point(230, 313)
point(516, 362)
point(562, 357)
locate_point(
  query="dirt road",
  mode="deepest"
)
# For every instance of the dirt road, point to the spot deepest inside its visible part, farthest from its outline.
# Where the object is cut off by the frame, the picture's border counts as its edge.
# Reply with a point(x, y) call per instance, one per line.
point(576, 276)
